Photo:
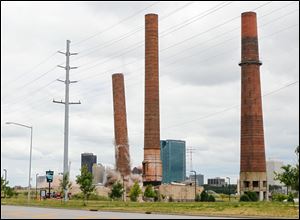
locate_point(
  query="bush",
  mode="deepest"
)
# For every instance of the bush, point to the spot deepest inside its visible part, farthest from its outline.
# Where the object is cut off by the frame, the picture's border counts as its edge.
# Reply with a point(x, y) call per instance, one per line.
point(278, 197)
point(149, 192)
point(211, 198)
point(252, 196)
point(9, 192)
point(204, 196)
point(135, 191)
point(116, 191)
point(245, 198)
point(290, 197)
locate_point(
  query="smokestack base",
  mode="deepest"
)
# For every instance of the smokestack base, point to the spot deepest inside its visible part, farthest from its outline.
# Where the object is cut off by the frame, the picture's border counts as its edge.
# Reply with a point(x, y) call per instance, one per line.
point(254, 182)
point(153, 183)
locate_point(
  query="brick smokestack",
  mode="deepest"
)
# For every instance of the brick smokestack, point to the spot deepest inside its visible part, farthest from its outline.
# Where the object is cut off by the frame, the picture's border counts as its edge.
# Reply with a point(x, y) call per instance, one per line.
point(121, 138)
point(253, 163)
point(152, 166)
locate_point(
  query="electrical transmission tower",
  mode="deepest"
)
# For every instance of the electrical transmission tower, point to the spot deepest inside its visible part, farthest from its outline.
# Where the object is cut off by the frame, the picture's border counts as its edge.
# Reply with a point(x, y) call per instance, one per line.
point(66, 103)
point(191, 150)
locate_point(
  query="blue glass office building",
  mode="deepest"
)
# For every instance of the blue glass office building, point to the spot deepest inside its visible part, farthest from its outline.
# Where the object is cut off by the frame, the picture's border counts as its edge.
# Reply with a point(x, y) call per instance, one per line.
point(172, 154)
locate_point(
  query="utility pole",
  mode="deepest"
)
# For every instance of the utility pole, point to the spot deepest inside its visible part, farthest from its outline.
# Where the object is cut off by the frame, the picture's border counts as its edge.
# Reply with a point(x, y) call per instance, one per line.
point(228, 187)
point(66, 103)
point(192, 171)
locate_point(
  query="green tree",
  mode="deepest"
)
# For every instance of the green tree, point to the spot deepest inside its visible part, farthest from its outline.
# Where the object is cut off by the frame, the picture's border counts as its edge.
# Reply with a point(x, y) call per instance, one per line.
point(204, 196)
point(290, 197)
point(135, 191)
point(85, 180)
point(4, 186)
point(290, 174)
point(65, 184)
point(9, 192)
point(116, 190)
point(296, 183)
point(149, 192)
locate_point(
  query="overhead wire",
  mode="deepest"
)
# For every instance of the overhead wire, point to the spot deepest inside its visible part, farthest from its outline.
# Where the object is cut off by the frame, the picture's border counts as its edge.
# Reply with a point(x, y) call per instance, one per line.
point(112, 26)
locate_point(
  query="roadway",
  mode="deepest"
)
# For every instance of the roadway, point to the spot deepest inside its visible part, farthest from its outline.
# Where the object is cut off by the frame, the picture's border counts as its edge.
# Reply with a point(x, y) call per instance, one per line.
point(22, 212)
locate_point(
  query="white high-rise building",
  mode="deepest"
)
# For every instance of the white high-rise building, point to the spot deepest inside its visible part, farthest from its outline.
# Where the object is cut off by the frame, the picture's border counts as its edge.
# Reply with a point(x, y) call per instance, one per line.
point(98, 171)
point(273, 165)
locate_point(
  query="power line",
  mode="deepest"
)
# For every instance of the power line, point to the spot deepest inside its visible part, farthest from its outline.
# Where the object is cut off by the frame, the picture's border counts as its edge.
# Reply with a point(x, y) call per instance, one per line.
point(202, 51)
point(196, 18)
point(32, 81)
point(168, 33)
point(202, 60)
point(211, 11)
point(30, 71)
point(208, 48)
point(231, 107)
point(277, 9)
point(111, 27)
point(260, 6)
point(28, 96)
point(173, 27)
point(176, 10)
point(128, 34)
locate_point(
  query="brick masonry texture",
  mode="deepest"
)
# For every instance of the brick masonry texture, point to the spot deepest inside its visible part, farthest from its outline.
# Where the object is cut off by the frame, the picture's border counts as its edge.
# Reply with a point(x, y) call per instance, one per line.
point(120, 125)
point(252, 131)
point(152, 171)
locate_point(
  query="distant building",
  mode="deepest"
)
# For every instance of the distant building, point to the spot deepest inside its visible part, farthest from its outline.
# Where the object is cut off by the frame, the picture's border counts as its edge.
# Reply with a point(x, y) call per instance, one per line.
point(216, 181)
point(98, 173)
point(274, 166)
point(41, 180)
point(199, 179)
point(137, 170)
point(172, 155)
point(88, 159)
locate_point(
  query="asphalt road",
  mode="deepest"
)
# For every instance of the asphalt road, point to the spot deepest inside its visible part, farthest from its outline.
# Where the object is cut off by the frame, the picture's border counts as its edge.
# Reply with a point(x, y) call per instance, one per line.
point(22, 212)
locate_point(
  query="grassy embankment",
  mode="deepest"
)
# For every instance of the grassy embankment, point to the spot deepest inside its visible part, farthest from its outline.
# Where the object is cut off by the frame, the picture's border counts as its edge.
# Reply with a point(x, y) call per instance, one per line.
point(233, 208)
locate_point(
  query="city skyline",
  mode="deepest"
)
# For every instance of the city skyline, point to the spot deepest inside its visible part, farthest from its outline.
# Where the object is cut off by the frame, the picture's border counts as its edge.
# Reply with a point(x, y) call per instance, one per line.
point(199, 87)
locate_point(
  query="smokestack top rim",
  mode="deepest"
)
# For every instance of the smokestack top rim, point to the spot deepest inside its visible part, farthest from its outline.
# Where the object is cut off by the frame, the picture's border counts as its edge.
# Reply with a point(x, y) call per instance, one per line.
point(117, 74)
point(249, 13)
point(151, 14)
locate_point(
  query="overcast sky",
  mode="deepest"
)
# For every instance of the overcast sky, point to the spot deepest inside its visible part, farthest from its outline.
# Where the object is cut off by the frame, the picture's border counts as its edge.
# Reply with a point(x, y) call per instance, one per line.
point(200, 82)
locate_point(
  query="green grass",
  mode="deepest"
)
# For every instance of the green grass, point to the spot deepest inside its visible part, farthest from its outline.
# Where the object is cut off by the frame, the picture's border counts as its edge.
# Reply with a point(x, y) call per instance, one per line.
point(256, 209)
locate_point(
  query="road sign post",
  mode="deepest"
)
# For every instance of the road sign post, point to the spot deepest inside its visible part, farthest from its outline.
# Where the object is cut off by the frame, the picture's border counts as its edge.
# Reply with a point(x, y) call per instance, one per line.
point(49, 176)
